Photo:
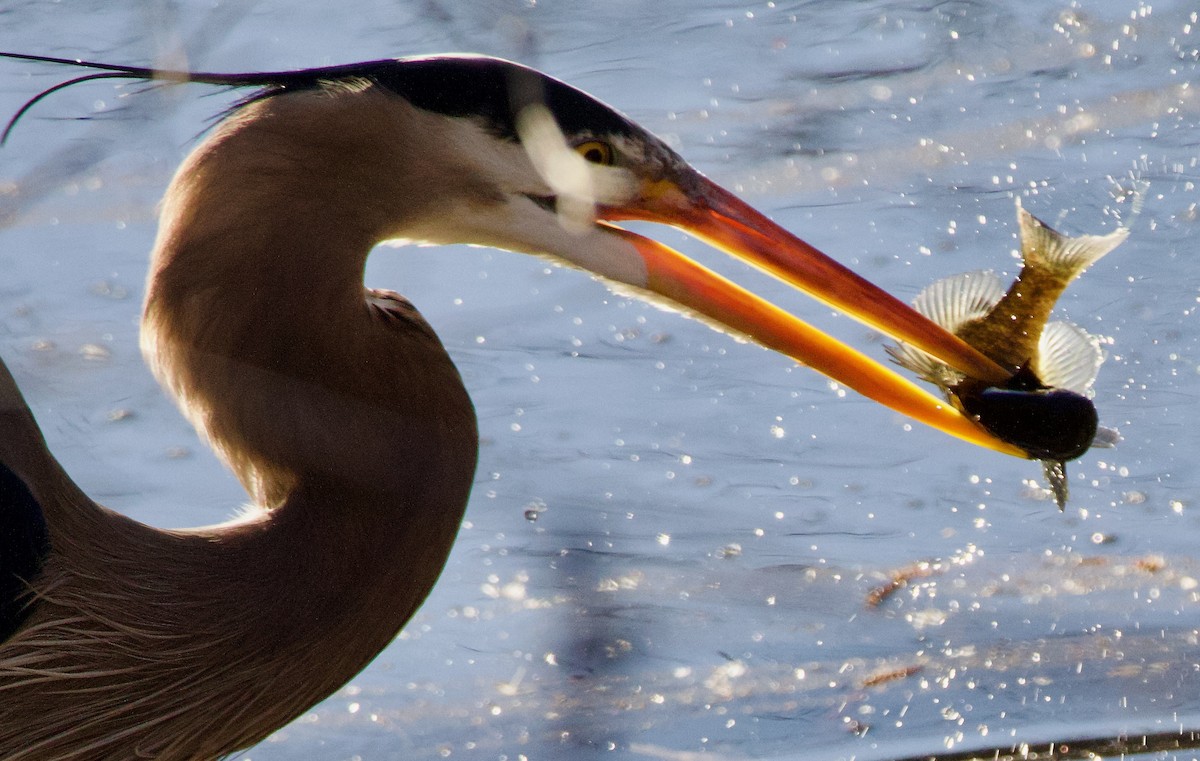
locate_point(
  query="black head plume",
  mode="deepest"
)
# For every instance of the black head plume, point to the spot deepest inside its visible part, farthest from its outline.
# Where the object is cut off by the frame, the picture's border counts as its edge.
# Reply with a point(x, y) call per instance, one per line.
point(490, 89)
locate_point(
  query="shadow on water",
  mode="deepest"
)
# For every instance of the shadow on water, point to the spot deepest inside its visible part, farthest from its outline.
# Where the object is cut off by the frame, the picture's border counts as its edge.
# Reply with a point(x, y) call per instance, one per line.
point(596, 647)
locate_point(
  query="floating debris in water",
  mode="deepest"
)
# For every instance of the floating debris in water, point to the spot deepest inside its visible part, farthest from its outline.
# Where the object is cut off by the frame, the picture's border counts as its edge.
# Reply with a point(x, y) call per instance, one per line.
point(899, 579)
point(94, 352)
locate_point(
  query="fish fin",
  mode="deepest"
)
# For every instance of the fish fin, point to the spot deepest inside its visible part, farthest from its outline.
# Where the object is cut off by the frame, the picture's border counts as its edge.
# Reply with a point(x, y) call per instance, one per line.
point(923, 365)
point(1106, 438)
point(953, 301)
point(1055, 472)
point(1068, 357)
point(1042, 245)
point(950, 302)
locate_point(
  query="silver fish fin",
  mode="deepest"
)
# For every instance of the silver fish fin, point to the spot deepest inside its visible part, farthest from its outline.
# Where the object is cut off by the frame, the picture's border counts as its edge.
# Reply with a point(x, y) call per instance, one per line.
point(1055, 472)
point(1068, 357)
point(950, 303)
point(924, 366)
point(1106, 438)
point(1043, 245)
point(955, 300)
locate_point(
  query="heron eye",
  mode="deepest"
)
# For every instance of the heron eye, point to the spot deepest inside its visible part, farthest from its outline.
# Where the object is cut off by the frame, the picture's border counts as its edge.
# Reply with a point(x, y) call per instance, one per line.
point(596, 152)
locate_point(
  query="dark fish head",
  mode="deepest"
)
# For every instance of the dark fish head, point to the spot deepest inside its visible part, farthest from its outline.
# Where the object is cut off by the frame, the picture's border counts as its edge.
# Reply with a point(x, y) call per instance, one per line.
point(1048, 423)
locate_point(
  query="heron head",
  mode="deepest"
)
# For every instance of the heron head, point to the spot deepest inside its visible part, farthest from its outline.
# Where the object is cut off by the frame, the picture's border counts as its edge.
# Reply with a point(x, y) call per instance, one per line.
point(561, 170)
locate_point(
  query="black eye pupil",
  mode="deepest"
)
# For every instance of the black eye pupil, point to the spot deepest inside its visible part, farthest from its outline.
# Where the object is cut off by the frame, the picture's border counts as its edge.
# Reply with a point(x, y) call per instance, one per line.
point(594, 155)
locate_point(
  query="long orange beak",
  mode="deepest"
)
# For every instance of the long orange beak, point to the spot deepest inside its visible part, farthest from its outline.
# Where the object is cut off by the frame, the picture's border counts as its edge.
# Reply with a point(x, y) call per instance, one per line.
point(716, 216)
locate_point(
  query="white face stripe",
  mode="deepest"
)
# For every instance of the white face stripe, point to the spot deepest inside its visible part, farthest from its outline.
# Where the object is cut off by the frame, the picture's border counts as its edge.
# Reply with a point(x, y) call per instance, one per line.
point(578, 184)
point(508, 218)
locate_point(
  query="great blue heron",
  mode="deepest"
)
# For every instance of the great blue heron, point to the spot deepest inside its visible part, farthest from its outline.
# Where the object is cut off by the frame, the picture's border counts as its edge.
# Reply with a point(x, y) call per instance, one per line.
point(335, 405)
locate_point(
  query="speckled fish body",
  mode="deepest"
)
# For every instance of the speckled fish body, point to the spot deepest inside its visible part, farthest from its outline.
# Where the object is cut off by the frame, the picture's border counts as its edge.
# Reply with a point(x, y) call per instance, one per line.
point(1058, 361)
point(1012, 327)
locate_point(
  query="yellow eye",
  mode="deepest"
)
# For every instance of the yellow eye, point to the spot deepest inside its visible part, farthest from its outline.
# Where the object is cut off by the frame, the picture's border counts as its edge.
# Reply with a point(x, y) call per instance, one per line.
point(596, 152)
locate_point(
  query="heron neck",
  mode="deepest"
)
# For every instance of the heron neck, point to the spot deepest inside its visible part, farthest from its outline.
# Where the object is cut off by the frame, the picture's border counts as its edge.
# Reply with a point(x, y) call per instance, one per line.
point(257, 320)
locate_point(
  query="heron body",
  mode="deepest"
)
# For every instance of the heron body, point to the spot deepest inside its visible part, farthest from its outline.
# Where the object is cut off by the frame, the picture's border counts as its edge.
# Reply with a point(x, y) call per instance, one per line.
point(336, 405)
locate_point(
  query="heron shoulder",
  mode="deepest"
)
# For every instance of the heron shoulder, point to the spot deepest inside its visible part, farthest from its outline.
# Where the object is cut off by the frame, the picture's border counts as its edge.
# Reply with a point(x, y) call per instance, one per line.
point(24, 545)
point(393, 309)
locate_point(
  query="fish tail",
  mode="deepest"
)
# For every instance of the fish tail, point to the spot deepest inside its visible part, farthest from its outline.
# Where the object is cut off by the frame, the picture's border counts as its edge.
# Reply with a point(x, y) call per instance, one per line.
point(1042, 246)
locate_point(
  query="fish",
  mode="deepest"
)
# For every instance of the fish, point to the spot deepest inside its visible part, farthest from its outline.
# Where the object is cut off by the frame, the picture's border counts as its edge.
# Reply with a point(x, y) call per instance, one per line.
point(1046, 407)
